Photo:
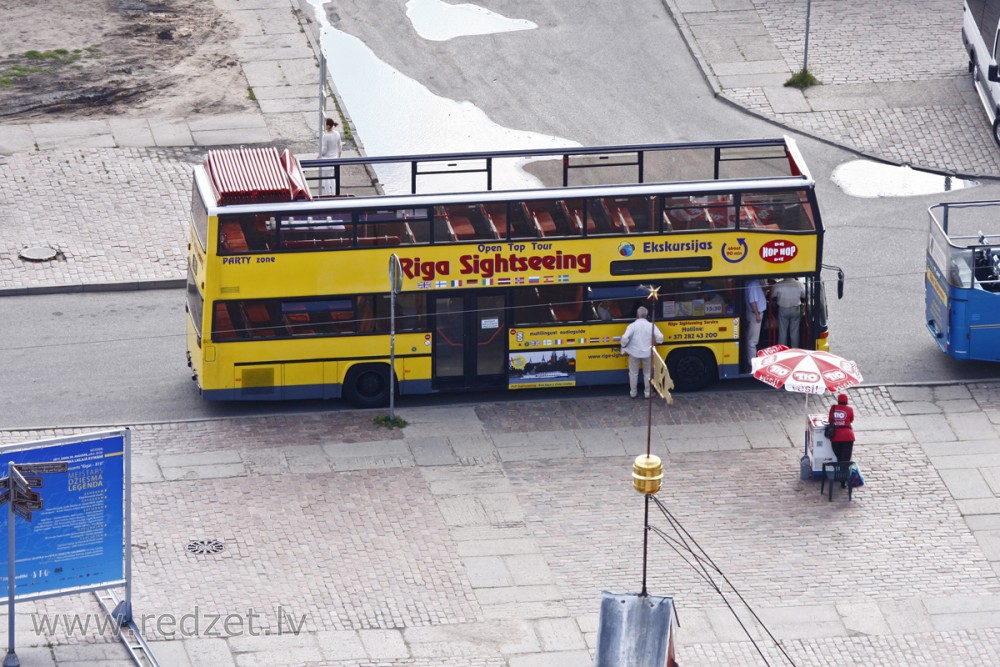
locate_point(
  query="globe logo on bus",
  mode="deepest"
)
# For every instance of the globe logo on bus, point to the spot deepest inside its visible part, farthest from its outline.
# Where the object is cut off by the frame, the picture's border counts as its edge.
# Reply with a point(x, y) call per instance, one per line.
point(625, 249)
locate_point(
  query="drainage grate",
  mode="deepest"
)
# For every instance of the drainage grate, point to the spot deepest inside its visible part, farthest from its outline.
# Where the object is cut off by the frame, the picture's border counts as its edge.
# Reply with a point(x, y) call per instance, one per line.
point(203, 547)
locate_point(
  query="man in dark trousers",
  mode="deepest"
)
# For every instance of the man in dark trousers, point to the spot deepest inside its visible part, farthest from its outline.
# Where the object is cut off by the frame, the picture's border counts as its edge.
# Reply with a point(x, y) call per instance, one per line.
point(842, 416)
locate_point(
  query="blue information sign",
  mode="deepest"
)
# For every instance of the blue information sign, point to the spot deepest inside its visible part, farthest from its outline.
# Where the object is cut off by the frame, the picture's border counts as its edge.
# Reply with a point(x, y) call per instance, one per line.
point(75, 538)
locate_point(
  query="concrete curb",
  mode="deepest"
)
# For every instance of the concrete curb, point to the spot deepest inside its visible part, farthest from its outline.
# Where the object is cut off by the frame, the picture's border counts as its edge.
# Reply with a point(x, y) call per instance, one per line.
point(168, 283)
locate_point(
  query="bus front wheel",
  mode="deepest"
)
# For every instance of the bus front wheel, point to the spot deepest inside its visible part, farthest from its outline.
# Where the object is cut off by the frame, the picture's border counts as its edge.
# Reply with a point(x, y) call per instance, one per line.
point(367, 386)
point(692, 370)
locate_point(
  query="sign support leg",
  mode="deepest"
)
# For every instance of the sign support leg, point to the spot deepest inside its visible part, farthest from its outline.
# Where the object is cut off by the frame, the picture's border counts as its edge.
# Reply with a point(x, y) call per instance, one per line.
point(123, 610)
point(11, 659)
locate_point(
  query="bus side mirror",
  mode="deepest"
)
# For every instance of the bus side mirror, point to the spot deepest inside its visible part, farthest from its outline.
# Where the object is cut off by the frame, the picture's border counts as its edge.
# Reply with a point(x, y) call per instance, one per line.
point(992, 74)
point(840, 284)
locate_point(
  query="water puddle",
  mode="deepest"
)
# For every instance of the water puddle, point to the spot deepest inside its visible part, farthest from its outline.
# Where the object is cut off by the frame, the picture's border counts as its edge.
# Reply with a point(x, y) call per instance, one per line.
point(865, 178)
point(395, 115)
point(438, 21)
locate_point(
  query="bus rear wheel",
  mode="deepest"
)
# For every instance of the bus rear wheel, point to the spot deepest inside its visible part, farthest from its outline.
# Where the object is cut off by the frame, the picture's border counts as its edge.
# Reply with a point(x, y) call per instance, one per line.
point(996, 129)
point(367, 386)
point(692, 370)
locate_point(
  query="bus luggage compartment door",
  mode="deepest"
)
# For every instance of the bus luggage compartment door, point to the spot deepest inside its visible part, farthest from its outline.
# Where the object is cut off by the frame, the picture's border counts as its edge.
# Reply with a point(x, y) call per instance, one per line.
point(259, 382)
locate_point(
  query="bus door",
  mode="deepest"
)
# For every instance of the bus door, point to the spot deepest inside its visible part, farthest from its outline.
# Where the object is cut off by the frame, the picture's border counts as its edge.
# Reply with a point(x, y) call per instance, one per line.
point(470, 340)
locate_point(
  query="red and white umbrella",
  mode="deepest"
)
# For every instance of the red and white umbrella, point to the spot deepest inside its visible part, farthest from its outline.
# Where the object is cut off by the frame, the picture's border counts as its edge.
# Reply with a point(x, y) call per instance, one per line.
point(804, 371)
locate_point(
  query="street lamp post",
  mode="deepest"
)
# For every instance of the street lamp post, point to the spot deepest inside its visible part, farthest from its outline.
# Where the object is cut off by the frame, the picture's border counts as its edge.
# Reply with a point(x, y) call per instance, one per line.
point(805, 57)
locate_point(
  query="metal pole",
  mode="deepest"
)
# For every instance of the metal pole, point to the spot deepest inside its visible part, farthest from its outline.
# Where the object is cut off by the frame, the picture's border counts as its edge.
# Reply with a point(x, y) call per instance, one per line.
point(805, 58)
point(395, 285)
point(649, 385)
point(123, 613)
point(649, 428)
point(11, 659)
point(322, 101)
point(645, 546)
point(392, 355)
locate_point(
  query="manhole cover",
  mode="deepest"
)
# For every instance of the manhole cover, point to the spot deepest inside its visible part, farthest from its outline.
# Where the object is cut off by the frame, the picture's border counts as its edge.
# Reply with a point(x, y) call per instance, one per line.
point(39, 253)
point(202, 547)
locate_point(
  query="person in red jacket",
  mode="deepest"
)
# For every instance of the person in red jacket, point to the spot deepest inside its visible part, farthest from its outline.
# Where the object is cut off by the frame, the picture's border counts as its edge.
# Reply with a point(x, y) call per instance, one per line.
point(842, 417)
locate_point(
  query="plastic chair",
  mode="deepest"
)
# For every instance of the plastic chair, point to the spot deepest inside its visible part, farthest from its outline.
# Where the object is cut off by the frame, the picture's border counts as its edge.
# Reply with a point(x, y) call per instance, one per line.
point(837, 471)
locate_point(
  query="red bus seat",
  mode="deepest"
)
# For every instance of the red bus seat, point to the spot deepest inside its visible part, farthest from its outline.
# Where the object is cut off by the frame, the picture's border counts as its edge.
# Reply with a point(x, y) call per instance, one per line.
point(223, 326)
point(298, 324)
point(496, 216)
point(343, 321)
point(545, 222)
point(233, 238)
point(575, 215)
point(258, 320)
point(365, 320)
point(621, 218)
point(462, 227)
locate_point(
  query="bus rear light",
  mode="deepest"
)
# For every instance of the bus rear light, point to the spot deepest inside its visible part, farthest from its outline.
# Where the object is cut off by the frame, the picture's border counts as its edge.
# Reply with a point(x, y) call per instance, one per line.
point(825, 334)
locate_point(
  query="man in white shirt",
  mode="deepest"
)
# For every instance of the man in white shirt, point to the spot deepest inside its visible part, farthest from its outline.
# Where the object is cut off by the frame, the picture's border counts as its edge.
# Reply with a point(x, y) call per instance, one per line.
point(756, 305)
point(637, 344)
point(789, 293)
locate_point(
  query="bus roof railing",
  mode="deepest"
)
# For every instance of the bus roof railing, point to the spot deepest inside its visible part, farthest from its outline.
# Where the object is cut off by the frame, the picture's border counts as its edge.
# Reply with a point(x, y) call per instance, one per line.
point(419, 164)
point(782, 142)
point(675, 188)
point(943, 220)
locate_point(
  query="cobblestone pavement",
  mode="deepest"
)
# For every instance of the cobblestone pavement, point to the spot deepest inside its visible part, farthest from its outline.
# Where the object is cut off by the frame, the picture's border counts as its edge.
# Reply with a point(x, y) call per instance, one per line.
point(484, 534)
point(83, 204)
point(894, 75)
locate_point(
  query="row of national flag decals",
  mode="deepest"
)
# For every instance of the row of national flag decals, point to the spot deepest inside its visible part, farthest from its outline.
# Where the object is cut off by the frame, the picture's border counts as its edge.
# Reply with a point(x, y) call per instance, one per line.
point(489, 282)
point(571, 341)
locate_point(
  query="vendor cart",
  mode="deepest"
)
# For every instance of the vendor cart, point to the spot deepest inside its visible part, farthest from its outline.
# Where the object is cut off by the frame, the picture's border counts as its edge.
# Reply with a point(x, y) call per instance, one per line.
point(818, 446)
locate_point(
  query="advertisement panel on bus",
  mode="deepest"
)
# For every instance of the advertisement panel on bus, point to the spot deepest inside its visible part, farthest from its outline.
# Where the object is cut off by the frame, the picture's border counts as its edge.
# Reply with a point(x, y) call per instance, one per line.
point(513, 263)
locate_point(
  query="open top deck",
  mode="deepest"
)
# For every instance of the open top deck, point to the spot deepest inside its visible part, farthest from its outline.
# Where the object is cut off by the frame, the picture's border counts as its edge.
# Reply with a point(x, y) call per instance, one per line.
point(517, 170)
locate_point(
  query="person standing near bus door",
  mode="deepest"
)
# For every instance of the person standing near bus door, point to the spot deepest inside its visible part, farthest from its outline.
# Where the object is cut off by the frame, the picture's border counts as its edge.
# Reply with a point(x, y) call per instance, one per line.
point(330, 147)
point(756, 306)
point(789, 294)
point(637, 344)
point(842, 418)
point(603, 312)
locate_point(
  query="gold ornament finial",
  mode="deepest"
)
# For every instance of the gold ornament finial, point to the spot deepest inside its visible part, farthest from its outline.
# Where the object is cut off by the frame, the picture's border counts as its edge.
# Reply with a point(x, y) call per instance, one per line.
point(654, 292)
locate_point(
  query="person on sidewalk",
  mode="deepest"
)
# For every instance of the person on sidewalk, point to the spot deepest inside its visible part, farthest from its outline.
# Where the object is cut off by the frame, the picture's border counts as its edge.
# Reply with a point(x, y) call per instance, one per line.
point(756, 305)
point(789, 293)
point(842, 418)
point(637, 344)
point(330, 147)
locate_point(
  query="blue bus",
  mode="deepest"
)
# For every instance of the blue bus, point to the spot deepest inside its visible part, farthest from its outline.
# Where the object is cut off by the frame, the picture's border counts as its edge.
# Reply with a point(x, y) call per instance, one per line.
point(962, 280)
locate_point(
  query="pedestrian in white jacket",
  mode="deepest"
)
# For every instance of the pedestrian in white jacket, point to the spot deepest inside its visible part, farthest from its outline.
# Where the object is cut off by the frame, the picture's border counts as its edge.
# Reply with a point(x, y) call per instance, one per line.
point(637, 343)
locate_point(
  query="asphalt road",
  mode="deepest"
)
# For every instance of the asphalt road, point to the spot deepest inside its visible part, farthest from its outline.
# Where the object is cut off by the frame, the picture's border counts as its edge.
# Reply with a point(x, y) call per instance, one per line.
point(118, 358)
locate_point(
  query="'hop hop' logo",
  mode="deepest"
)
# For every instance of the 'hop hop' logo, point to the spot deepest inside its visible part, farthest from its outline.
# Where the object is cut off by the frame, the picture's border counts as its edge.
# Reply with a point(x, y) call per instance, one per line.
point(625, 249)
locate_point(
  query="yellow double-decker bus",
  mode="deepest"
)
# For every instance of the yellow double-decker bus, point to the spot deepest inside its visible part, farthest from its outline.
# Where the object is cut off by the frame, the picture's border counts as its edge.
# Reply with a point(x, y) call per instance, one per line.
point(520, 284)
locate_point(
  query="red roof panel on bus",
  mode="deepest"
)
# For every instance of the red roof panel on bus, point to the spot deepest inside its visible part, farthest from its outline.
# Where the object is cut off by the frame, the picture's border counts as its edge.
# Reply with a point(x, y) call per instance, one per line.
point(255, 175)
